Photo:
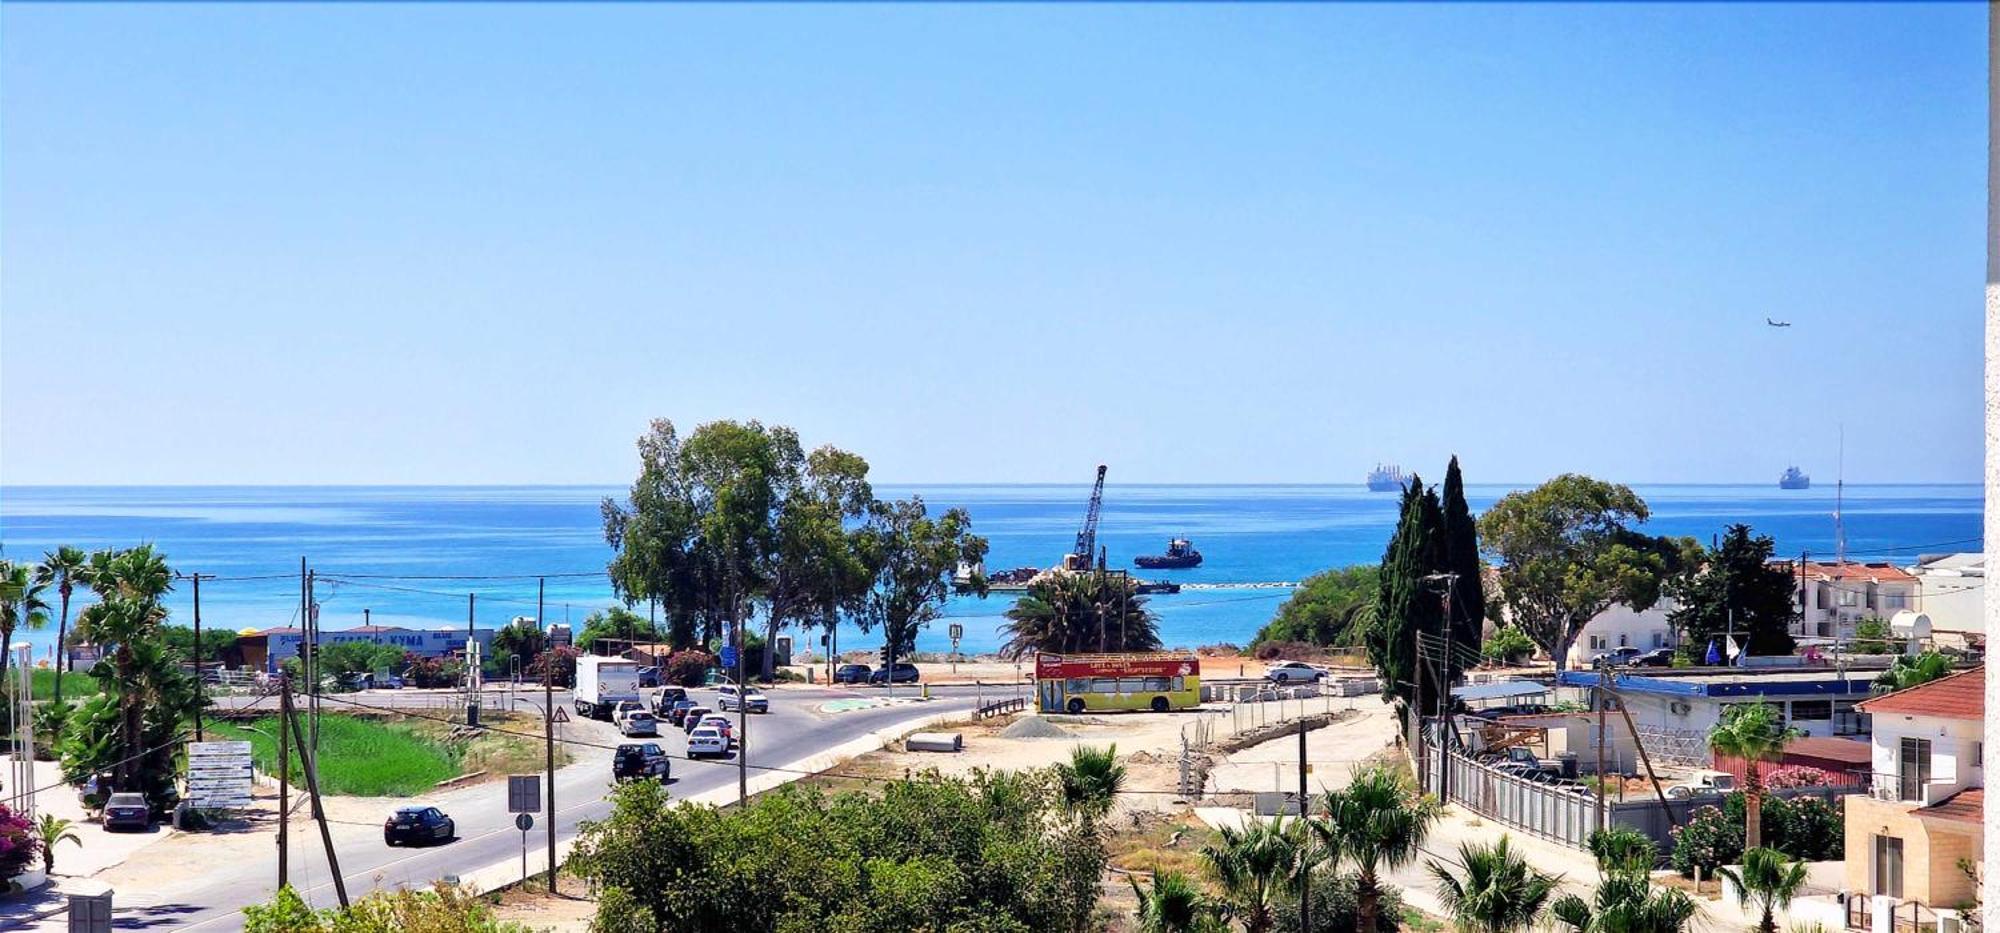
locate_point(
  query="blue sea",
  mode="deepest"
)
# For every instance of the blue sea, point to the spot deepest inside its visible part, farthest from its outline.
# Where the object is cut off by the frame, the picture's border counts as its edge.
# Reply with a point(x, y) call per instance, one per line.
point(411, 538)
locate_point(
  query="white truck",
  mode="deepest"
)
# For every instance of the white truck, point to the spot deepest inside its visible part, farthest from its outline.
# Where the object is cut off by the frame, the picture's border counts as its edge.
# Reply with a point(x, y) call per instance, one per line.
point(602, 683)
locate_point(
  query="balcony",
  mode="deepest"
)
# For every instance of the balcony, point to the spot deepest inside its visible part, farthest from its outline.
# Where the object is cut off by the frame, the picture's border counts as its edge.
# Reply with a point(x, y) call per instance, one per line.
point(1894, 788)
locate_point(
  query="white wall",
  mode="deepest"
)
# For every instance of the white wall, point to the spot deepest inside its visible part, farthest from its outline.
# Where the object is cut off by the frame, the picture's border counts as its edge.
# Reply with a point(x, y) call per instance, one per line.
point(1955, 751)
point(1619, 626)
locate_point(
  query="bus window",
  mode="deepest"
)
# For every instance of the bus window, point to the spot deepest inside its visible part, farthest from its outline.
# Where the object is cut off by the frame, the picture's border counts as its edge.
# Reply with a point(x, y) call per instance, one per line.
point(1156, 685)
point(1132, 685)
point(1079, 685)
point(1180, 683)
point(1104, 685)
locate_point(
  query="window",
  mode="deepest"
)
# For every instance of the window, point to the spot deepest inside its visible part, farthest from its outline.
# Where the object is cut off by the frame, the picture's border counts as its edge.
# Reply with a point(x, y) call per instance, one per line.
point(1104, 685)
point(1132, 685)
point(1596, 642)
point(1849, 598)
point(1895, 601)
point(1889, 866)
point(1157, 685)
point(1659, 639)
point(1914, 760)
point(1079, 685)
point(1812, 710)
point(1623, 640)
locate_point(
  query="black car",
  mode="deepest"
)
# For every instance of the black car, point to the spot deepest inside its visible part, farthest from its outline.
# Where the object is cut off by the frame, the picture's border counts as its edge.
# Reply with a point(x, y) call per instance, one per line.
point(649, 677)
point(851, 674)
point(663, 701)
point(641, 760)
point(418, 824)
point(1658, 657)
point(677, 714)
point(127, 811)
point(903, 674)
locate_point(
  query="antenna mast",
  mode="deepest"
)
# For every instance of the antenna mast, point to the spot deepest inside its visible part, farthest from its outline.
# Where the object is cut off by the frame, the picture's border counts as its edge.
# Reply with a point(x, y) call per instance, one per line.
point(1839, 492)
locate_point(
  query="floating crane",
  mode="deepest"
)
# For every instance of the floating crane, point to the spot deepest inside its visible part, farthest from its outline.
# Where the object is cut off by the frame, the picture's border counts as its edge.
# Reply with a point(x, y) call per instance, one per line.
point(1081, 556)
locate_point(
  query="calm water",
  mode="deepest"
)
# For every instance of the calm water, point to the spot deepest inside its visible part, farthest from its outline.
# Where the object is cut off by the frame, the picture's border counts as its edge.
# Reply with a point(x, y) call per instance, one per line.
point(1248, 534)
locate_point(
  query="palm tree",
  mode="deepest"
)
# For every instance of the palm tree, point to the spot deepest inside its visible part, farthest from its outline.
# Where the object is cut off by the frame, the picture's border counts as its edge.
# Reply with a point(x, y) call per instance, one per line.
point(50, 830)
point(129, 585)
point(1174, 904)
point(1623, 849)
point(1255, 865)
point(1768, 878)
point(22, 604)
point(1906, 672)
point(1499, 893)
point(1626, 902)
point(1065, 612)
point(1753, 733)
point(1090, 779)
point(1377, 822)
point(64, 567)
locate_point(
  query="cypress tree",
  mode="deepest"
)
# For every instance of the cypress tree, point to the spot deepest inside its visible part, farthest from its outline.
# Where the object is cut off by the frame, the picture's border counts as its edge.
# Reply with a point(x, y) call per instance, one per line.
point(1407, 604)
point(1461, 556)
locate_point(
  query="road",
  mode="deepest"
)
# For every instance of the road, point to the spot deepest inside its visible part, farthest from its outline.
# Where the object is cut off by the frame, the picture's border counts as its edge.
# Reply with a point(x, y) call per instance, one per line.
point(211, 896)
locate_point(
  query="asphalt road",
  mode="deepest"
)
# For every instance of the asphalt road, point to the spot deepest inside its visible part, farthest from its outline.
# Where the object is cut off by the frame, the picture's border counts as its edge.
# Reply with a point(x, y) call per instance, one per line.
point(795, 729)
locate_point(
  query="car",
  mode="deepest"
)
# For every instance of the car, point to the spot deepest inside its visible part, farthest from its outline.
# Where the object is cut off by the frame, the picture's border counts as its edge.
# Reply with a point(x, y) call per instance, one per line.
point(1615, 656)
point(902, 674)
point(1293, 672)
point(707, 742)
point(626, 706)
point(752, 700)
point(851, 674)
point(127, 811)
point(641, 723)
point(718, 723)
point(641, 760)
point(691, 719)
point(677, 713)
point(649, 677)
point(418, 824)
point(664, 700)
point(1703, 783)
point(1658, 657)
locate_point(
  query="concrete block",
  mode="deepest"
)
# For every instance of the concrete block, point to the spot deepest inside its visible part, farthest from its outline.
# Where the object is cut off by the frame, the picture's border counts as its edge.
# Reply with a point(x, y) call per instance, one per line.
point(935, 742)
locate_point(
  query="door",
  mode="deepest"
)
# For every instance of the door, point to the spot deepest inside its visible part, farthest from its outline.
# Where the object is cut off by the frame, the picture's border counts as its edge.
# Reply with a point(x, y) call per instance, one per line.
point(1889, 866)
point(1913, 769)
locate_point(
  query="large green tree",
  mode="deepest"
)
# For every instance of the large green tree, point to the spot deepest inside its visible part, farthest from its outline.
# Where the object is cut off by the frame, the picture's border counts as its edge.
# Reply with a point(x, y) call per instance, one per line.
point(1567, 551)
point(1466, 604)
point(818, 567)
point(1330, 608)
point(1064, 612)
point(65, 568)
point(1407, 603)
point(1734, 587)
point(916, 559)
point(1377, 823)
point(135, 666)
point(616, 624)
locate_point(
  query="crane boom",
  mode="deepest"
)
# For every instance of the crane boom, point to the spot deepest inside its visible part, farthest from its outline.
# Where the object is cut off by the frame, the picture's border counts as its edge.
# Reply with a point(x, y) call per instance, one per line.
point(1085, 551)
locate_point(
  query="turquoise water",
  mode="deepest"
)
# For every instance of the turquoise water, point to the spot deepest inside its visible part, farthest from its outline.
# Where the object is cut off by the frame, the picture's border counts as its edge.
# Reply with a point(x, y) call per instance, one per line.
point(253, 537)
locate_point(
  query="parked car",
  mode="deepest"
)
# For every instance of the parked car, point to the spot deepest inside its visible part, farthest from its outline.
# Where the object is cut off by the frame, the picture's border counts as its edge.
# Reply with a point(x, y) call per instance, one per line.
point(631, 762)
point(1293, 672)
point(418, 824)
point(626, 706)
point(677, 713)
point(127, 811)
point(639, 723)
point(720, 724)
point(706, 742)
point(691, 719)
point(752, 700)
point(903, 674)
point(649, 677)
point(1615, 656)
point(851, 674)
point(1658, 657)
point(663, 701)
point(1703, 783)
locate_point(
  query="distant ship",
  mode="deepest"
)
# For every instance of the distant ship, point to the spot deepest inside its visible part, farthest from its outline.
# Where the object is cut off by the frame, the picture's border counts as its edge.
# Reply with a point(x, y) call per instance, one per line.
point(1385, 479)
point(1793, 478)
point(1179, 556)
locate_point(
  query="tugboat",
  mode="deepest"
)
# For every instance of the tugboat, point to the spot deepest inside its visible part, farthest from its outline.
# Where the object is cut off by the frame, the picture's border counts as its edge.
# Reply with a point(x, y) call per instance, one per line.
point(1386, 479)
point(1793, 478)
point(1179, 556)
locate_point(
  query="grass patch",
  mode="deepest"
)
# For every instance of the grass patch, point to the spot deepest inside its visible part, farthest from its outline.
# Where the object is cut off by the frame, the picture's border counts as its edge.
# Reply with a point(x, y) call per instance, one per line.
point(76, 685)
point(1146, 843)
point(396, 757)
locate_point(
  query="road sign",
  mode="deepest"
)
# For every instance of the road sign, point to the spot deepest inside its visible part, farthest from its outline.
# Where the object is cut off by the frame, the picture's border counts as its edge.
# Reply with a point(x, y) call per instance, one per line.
point(728, 657)
point(524, 822)
point(219, 775)
point(562, 714)
point(957, 631)
point(524, 793)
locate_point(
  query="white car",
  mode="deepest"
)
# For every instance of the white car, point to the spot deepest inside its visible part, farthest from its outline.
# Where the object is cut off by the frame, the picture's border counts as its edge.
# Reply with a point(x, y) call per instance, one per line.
point(707, 742)
point(1704, 783)
point(753, 701)
point(1293, 672)
point(639, 723)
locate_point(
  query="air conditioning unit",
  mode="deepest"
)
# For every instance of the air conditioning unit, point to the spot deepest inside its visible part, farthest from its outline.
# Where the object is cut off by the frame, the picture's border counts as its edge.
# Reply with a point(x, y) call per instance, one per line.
point(1679, 707)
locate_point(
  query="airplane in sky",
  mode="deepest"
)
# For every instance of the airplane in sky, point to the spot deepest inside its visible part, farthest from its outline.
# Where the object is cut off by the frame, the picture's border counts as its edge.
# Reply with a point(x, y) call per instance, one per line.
point(1777, 323)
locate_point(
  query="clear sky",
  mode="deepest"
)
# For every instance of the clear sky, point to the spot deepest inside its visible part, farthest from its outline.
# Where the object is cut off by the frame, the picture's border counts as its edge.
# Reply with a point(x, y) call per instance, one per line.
point(470, 244)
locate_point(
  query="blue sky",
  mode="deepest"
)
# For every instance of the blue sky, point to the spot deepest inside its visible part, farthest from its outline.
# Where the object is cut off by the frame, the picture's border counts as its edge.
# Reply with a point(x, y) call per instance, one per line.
point(466, 244)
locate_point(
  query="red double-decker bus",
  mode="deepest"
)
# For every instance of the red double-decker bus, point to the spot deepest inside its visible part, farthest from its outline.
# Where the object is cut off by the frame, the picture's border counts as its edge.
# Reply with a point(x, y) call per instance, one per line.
point(1157, 681)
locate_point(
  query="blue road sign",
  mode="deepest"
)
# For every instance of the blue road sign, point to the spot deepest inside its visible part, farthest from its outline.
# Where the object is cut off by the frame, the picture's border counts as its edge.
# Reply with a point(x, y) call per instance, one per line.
point(728, 657)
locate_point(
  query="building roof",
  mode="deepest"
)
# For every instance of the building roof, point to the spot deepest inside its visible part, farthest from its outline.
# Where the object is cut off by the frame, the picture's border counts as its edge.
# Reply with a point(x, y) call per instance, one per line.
point(1955, 696)
point(1499, 690)
point(1969, 564)
point(1880, 571)
point(376, 629)
point(1966, 806)
point(1829, 748)
point(1744, 682)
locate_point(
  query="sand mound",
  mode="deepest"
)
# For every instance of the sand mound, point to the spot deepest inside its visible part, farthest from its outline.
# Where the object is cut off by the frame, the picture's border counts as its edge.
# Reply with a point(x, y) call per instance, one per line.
point(1033, 727)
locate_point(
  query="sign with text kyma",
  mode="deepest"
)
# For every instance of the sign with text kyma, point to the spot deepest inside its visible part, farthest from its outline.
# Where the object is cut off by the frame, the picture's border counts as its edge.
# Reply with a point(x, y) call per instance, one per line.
point(524, 793)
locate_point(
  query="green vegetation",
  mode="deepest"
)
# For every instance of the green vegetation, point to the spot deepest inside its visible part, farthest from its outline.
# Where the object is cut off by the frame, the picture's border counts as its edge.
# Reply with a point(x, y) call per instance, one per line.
point(1509, 645)
point(51, 831)
point(1174, 903)
point(1330, 608)
point(442, 909)
point(1494, 889)
point(1755, 733)
point(23, 604)
point(401, 757)
point(1769, 880)
point(1377, 822)
point(1906, 672)
point(129, 729)
point(1735, 587)
point(1873, 636)
point(615, 623)
point(992, 852)
point(1625, 900)
point(215, 645)
point(1064, 612)
point(1804, 827)
point(1432, 563)
point(73, 684)
point(1091, 780)
point(1567, 552)
point(63, 568)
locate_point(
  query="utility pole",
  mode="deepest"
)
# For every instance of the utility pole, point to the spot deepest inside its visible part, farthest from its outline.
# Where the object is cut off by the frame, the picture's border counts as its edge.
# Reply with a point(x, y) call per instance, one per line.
point(285, 773)
point(549, 726)
point(1416, 707)
point(1305, 812)
point(743, 712)
point(1603, 672)
point(319, 814)
point(197, 661)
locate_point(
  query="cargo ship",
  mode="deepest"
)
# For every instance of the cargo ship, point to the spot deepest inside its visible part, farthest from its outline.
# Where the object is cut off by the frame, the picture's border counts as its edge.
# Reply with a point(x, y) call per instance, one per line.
point(1794, 478)
point(1180, 555)
point(1386, 479)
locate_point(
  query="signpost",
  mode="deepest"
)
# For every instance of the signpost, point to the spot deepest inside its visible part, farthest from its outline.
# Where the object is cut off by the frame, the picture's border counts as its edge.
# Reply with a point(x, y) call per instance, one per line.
point(957, 632)
point(218, 775)
point(524, 793)
point(524, 822)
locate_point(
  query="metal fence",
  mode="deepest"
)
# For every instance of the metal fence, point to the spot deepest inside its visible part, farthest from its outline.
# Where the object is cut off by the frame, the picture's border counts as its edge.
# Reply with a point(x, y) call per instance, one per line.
point(1564, 813)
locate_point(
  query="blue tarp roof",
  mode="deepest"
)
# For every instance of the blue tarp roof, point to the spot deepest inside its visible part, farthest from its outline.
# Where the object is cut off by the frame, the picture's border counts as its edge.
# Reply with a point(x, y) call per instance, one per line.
point(1776, 682)
point(1499, 691)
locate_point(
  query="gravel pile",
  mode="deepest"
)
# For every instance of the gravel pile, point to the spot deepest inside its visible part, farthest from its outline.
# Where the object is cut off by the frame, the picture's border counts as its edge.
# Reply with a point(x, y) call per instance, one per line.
point(1033, 727)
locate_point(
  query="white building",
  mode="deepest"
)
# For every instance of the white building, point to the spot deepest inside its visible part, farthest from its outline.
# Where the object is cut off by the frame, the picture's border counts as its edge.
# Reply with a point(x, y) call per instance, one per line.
point(1839, 595)
point(1951, 590)
point(1623, 627)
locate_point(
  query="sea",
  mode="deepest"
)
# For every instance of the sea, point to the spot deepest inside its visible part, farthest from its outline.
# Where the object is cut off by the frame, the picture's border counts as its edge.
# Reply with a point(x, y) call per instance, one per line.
point(429, 556)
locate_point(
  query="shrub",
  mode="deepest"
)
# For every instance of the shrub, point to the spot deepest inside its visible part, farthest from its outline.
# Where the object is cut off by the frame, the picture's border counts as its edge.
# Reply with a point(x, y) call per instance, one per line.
point(1794, 776)
point(1808, 828)
point(1709, 840)
point(18, 843)
point(1509, 645)
point(1274, 650)
point(688, 668)
point(1333, 908)
point(442, 909)
point(561, 660)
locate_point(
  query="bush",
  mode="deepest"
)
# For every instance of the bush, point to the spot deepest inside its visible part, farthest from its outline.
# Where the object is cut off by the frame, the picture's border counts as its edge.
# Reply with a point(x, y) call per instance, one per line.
point(1275, 650)
point(561, 660)
point(1333, 908)
point(442, 909)
point(1808, 828)
point(19, 844)
point(1509, 645)
point(688, 668)
point(1709, 840)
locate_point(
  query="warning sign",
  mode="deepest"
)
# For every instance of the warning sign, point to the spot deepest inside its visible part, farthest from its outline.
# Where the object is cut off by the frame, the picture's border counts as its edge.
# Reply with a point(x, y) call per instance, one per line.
point(562, 714)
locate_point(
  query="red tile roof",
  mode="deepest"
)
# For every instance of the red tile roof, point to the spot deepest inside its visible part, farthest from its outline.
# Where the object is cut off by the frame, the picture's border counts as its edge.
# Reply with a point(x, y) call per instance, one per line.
point(1966, 806)
point(1956, 696)
point(1877, 572)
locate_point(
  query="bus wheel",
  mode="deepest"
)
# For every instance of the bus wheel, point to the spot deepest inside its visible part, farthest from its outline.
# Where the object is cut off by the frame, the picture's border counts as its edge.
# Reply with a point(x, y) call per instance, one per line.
point(1159, 704)
point(1075, 705)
